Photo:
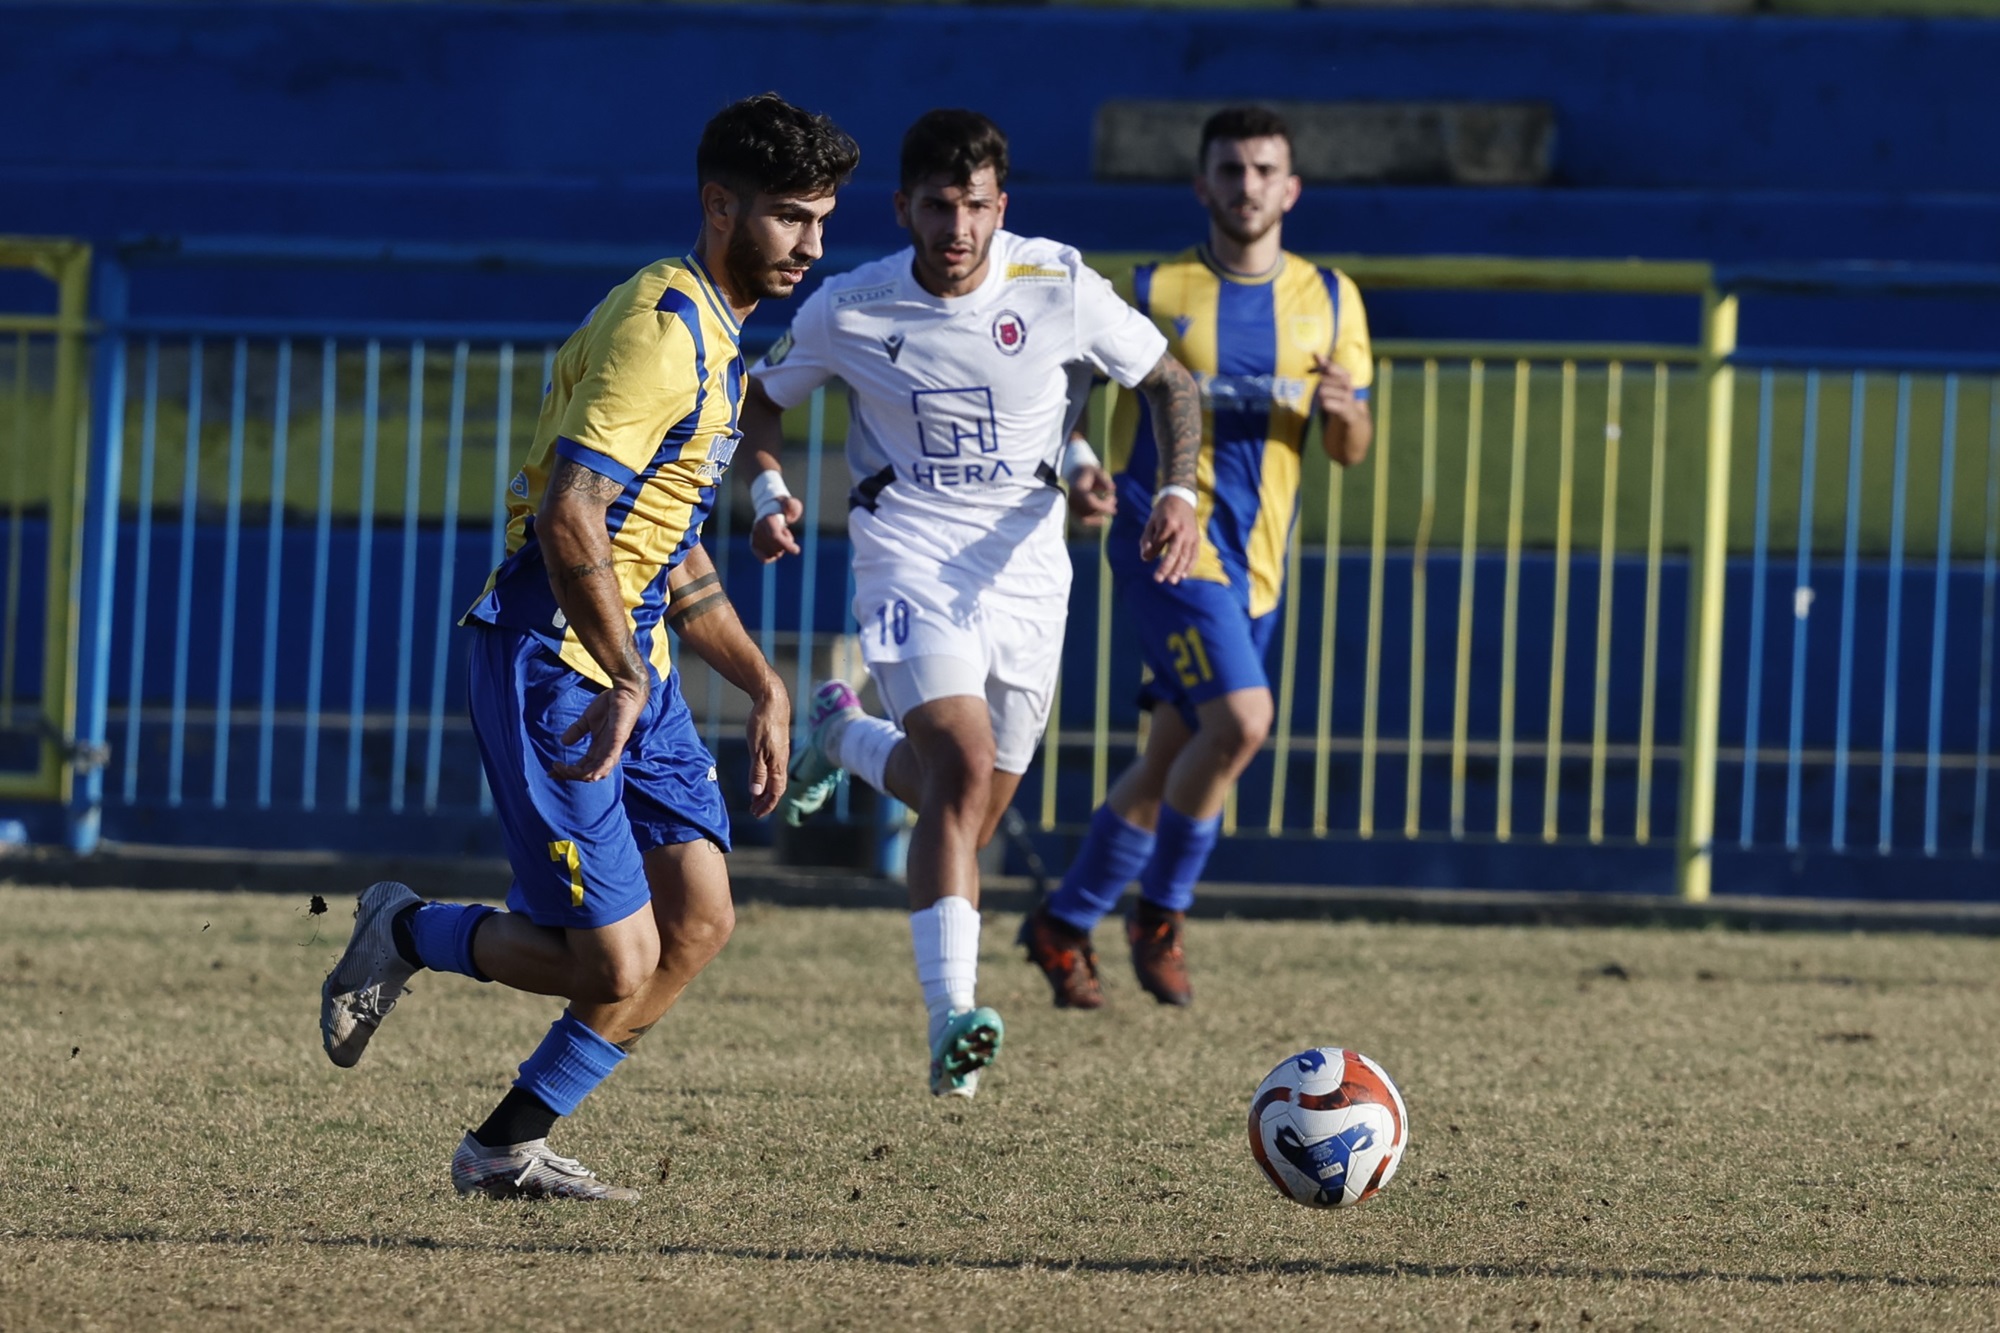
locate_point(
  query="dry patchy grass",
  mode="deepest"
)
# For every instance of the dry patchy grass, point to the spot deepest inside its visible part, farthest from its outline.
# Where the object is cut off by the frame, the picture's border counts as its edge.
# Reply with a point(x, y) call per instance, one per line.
point(1611, 1129)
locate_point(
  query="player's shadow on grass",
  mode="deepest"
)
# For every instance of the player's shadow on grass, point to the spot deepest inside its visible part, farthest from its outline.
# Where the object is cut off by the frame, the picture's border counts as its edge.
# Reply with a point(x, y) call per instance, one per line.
point(1212, 1267)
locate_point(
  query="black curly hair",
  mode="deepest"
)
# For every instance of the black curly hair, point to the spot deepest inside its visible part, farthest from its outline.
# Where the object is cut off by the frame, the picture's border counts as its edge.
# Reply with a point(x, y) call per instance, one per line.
point(1242, 122)
point(765, 145)
point(953, 143)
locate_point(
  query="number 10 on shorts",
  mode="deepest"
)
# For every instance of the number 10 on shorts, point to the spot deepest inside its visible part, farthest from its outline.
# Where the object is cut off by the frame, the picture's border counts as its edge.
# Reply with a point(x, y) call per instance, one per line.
point(894, 621)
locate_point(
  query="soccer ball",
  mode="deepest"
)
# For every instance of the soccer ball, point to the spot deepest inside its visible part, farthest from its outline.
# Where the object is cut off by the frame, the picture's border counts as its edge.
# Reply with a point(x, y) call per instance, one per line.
point(1328, 1127)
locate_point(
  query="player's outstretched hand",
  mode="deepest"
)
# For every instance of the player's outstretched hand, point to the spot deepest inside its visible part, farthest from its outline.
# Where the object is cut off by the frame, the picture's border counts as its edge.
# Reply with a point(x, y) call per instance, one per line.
point(608, 721)
point(1092, 497)
point(769, 731)
point(771, 536)
point(1170, 538)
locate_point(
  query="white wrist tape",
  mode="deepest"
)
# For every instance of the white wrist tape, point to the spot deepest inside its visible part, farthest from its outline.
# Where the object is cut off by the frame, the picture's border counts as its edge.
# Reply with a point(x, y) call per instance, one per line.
point(1076, 456)
point(768, 493)
point(1181, 491)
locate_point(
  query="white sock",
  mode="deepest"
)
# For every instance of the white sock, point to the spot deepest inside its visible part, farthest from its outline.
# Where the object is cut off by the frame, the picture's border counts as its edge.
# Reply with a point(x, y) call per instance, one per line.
point(862, 746)
point(946, 937)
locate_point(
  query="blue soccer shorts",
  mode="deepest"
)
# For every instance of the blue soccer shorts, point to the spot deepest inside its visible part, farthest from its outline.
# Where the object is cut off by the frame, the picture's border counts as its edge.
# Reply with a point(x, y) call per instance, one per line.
point(1198, 637)
point(577, 848)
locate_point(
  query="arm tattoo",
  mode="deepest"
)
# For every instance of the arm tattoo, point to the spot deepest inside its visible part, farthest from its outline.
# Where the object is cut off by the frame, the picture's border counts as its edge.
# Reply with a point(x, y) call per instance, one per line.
point(688, 610)
point(578, 573)
point(570, 476)
point(1176, 403)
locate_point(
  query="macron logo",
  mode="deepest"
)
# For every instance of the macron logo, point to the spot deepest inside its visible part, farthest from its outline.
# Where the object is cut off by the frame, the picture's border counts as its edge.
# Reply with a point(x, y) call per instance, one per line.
point(894, 342)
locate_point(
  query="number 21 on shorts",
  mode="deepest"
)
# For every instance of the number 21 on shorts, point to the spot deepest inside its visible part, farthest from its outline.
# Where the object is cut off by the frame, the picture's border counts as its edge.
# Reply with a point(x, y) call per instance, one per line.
point(1190, 657)
point(894, 622)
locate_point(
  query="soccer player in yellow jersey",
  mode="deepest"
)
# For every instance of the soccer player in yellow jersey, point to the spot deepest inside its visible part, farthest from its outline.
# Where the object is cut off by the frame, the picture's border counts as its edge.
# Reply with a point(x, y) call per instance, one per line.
point(609, 808)
point(1273, 341)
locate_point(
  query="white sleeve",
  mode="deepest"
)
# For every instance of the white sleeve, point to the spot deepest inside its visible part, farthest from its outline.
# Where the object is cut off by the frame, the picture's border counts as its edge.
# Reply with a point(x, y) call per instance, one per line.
point(797, 363)
point(1110, 334)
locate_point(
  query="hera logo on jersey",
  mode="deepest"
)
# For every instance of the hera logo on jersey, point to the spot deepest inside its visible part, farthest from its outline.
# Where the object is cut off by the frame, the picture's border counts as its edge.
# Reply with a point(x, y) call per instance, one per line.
point(894, 342)
point(1010, 332)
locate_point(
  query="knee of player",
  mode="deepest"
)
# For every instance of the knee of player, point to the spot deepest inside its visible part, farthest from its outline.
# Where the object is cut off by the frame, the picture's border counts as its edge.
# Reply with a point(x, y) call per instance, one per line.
point(618, 976)
point(702, 934)
point(1244, 725)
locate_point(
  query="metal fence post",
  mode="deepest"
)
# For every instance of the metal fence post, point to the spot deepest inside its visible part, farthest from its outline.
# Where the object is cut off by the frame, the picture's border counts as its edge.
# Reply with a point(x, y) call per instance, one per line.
point(1708, 560)
point(98, 557)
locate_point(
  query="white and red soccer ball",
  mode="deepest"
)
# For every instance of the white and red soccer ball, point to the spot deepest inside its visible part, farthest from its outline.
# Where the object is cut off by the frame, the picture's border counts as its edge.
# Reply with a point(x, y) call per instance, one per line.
point(1328, 1127)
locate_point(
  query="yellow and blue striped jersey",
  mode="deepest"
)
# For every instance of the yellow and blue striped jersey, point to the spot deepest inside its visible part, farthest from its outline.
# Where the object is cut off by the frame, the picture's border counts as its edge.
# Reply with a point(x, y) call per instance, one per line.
point(1250, 343)
point(646, 392)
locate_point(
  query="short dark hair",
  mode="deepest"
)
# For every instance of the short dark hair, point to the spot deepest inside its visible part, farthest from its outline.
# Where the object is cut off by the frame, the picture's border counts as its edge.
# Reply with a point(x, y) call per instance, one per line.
point(765, 145)
point(953, 143)
point(1241, 122)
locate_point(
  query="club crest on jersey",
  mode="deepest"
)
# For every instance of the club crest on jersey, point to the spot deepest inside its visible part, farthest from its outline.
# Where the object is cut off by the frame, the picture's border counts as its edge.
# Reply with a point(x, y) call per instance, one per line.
point(1308, 332)
point(1010, 332)
point(894, 344)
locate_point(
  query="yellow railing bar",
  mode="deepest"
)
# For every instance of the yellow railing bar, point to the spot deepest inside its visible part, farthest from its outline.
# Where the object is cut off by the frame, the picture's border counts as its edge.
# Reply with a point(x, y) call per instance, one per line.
point(1461, 716)
point(1413, 772)
point(1701, 712)
point(1559, 633)
point(1051, 753)
point(1642, 823)
point(1377, 558)
point(1329, 604)
point(1607, 548)
point(1583, 353)
point(57, 324)
point(1498, 273)
point(1517, 470)
point(16, 480)
point(1287, 689)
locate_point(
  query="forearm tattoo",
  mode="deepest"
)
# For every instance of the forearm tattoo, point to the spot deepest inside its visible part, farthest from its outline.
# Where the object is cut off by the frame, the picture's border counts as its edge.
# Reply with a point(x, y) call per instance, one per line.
point(1176, 403)
point(693, 600)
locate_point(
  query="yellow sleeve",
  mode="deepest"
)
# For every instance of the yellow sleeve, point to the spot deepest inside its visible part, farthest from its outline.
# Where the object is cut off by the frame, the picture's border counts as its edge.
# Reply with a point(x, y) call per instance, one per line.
point(637, 382)
point(1351, 349)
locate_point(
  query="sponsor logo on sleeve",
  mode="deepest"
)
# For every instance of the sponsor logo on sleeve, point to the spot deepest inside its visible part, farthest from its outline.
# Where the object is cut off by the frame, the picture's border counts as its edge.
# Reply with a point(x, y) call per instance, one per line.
point(1036, 273)
point(864, 296)
point(1010, 332)
point(779, 351)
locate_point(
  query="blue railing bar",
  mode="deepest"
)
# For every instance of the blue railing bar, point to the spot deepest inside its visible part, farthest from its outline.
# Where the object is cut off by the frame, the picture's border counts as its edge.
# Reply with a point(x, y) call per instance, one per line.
point(809, 573)
point(1874, 279)
point(142, 572)
point(322, 559)
point(190, 484)
point(447, 614)
point(1947, 460)
point(406, 610)
point(503, 458)
point(1892, 662)
point(712, 712)
point(388, 330)
point(517, 255)
point(232, 551)
point(851, 627)
point(1759, 563)
point(97, 539)
point(1845, 358)
point(1801, 609)
point(1850, 559)
point(357, 686)
point(274, 559)
point(1989, 581)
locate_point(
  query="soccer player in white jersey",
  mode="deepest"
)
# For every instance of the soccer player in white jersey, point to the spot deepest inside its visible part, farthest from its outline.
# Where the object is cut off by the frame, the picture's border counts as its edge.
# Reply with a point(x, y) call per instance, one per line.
point(954, 353)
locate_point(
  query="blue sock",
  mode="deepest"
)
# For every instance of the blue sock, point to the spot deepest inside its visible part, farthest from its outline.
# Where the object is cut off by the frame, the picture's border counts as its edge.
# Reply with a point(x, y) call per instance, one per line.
point(442, 933)
point(1179, 856)
point(570, 1062)
point(1111, 855)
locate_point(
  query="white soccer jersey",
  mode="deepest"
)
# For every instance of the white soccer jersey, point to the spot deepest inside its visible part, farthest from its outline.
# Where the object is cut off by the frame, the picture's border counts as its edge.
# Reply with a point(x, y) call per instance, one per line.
point(958, 405)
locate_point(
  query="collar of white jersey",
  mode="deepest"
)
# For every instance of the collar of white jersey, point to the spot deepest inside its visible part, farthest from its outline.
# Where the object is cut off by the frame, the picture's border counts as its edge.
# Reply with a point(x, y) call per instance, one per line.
point(998, 256)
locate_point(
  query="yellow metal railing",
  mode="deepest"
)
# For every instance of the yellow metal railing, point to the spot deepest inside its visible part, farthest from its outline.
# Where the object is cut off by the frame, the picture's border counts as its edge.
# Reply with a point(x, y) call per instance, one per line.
point(1425, 491)
point(44, 432)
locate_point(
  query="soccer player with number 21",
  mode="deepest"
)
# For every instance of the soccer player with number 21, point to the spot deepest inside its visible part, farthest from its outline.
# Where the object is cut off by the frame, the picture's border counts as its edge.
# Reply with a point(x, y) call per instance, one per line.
point(955, 353)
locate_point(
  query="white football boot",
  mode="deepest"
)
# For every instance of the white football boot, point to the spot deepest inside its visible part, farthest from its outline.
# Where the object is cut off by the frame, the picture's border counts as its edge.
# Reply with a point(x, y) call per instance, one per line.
point(527, 1171)
point(369, 978)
